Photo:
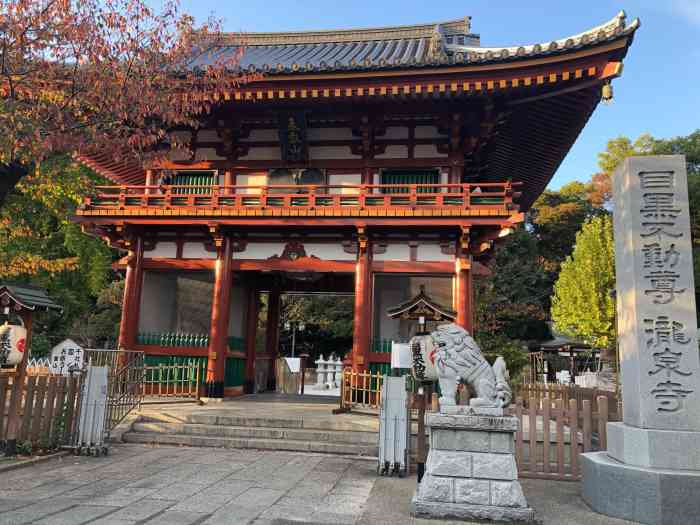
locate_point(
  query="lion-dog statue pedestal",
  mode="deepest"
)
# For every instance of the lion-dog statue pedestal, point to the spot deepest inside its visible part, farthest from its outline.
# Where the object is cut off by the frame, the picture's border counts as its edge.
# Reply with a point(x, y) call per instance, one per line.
point(470, 471)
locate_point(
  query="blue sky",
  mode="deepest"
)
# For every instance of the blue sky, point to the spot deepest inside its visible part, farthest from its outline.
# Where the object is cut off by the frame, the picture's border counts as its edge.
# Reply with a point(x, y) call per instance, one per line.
point(659, 91)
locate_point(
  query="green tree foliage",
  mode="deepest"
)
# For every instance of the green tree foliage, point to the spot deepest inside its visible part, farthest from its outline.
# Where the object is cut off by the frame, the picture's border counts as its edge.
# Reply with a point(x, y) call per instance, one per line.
point(622, 147)
point(583, 306)
point(513, 352)
point(328, 323)
point(513, 299)
point(557, 216)
point(39, 245)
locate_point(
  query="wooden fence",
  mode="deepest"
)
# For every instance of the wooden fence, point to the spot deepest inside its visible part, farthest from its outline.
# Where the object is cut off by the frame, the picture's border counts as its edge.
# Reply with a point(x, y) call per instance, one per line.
point(566, 393)
point(47, 408)
point(552, 433)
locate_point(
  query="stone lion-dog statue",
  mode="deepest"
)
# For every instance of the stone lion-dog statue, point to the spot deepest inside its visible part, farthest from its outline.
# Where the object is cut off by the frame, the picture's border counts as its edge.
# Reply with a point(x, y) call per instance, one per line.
point(450, 355)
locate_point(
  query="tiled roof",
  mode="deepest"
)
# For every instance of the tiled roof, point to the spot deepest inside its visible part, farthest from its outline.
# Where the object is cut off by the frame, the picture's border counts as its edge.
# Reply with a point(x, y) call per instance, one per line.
point(430, 45)
point(422, 299)
point(30, 297)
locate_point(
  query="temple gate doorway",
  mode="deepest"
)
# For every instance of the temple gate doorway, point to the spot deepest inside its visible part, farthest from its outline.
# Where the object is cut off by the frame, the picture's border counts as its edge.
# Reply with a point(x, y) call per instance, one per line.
point(295, 313)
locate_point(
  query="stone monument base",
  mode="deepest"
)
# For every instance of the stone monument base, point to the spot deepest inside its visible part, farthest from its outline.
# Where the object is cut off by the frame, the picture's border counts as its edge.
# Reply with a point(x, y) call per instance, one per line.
point(470, 470)
point(647, 495)
point(461, 511)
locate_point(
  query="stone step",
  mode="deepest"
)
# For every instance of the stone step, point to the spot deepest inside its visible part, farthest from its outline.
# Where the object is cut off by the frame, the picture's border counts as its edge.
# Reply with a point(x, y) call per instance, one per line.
point(297, 434)
point(346, 449)
point(308, 423)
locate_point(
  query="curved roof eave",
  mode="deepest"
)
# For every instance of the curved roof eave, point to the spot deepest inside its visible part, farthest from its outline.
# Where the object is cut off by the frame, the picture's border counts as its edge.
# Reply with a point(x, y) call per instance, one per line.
point(431, 46)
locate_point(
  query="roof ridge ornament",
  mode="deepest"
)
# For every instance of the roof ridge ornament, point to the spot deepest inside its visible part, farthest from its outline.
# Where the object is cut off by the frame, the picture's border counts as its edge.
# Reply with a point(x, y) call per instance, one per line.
point(436, 45)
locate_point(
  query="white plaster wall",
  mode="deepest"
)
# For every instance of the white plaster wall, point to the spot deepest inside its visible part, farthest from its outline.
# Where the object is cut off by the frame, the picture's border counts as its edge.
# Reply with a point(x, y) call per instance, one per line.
point(329, 134)
point(195, 250)
point(395, 132)
point(162, 249)
point(394, 152)
point(260, 250)
point(158, 297)
point(394, 252)
point(328, 252)
point(236, 321)
point(427, 132)
point(391, 290)
point(345, 179)
point(422, 151)
point(258, 179)
point(331, 152)
point(207, 154)
point(388, 293)
point(267, 153)
point(261, 135)
point(432, 252)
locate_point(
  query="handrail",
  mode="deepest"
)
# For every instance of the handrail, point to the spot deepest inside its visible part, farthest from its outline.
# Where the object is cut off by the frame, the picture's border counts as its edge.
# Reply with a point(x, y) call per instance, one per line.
point(220, 187)
point(464, 195)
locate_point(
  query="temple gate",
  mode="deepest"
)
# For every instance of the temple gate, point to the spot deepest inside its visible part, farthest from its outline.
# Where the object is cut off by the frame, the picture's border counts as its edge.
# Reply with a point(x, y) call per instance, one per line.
point(368, 161)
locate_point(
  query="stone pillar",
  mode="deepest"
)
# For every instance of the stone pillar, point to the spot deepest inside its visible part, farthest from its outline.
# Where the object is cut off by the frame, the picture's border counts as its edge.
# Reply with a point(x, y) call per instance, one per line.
point(128, 328)
point(464, 294)
point(220, 313)
point(362, 318)
point(652, 464)
point(470, 471)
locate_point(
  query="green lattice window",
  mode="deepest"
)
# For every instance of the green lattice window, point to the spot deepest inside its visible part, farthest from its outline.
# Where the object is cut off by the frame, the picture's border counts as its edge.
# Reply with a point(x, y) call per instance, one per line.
point(393, 176)
point(194, 178)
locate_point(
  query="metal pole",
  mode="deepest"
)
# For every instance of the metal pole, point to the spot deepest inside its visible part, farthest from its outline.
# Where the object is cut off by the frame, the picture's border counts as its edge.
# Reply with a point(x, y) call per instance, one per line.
point(294, 337)
point(302, 368)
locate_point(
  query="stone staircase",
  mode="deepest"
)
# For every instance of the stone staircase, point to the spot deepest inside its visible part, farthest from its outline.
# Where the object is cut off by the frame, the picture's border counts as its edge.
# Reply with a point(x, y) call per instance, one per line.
point(266, 433)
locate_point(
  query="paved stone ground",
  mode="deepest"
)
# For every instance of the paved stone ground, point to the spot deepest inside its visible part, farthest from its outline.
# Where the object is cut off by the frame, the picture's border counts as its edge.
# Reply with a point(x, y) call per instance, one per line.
point(139, 484)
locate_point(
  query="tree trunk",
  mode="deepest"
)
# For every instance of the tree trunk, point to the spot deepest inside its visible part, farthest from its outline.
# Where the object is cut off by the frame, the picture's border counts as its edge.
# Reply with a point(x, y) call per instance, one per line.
point(10, 175)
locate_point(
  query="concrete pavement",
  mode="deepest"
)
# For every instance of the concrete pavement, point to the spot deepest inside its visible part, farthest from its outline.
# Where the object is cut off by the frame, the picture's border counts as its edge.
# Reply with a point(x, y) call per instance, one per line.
point(139, 484)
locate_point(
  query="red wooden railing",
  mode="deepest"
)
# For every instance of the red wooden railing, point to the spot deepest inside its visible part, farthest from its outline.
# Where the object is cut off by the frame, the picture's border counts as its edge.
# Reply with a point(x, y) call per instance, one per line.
point(491, 195)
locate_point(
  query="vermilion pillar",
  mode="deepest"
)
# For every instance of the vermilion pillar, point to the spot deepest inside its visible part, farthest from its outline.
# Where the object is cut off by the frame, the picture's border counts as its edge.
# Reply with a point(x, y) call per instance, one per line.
point(220, 311)
point(362, 319)
point(131, 304)
point(251, 333)
point(464, 294)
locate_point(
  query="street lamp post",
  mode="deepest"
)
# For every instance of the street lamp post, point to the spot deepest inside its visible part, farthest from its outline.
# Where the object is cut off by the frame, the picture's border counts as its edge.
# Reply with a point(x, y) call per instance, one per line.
point(294, 326)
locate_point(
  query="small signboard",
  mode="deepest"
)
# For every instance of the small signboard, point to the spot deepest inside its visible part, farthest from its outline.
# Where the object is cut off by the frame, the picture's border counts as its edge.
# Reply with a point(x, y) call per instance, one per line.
point(401, 356)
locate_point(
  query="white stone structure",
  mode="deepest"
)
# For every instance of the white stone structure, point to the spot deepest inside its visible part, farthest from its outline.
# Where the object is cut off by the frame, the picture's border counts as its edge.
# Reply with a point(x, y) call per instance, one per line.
point(338, 364)
point(330, 372)
point(652, 465)
point(320, 371)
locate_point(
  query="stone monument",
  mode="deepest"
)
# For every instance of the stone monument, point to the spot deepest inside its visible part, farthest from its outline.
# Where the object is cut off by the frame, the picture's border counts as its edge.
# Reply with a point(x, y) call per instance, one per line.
point(651, 470)
point(470, 471)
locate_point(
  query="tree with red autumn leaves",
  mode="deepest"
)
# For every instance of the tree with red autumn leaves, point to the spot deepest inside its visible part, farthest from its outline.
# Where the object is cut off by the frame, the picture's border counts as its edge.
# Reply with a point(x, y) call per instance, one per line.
point(99, 75)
